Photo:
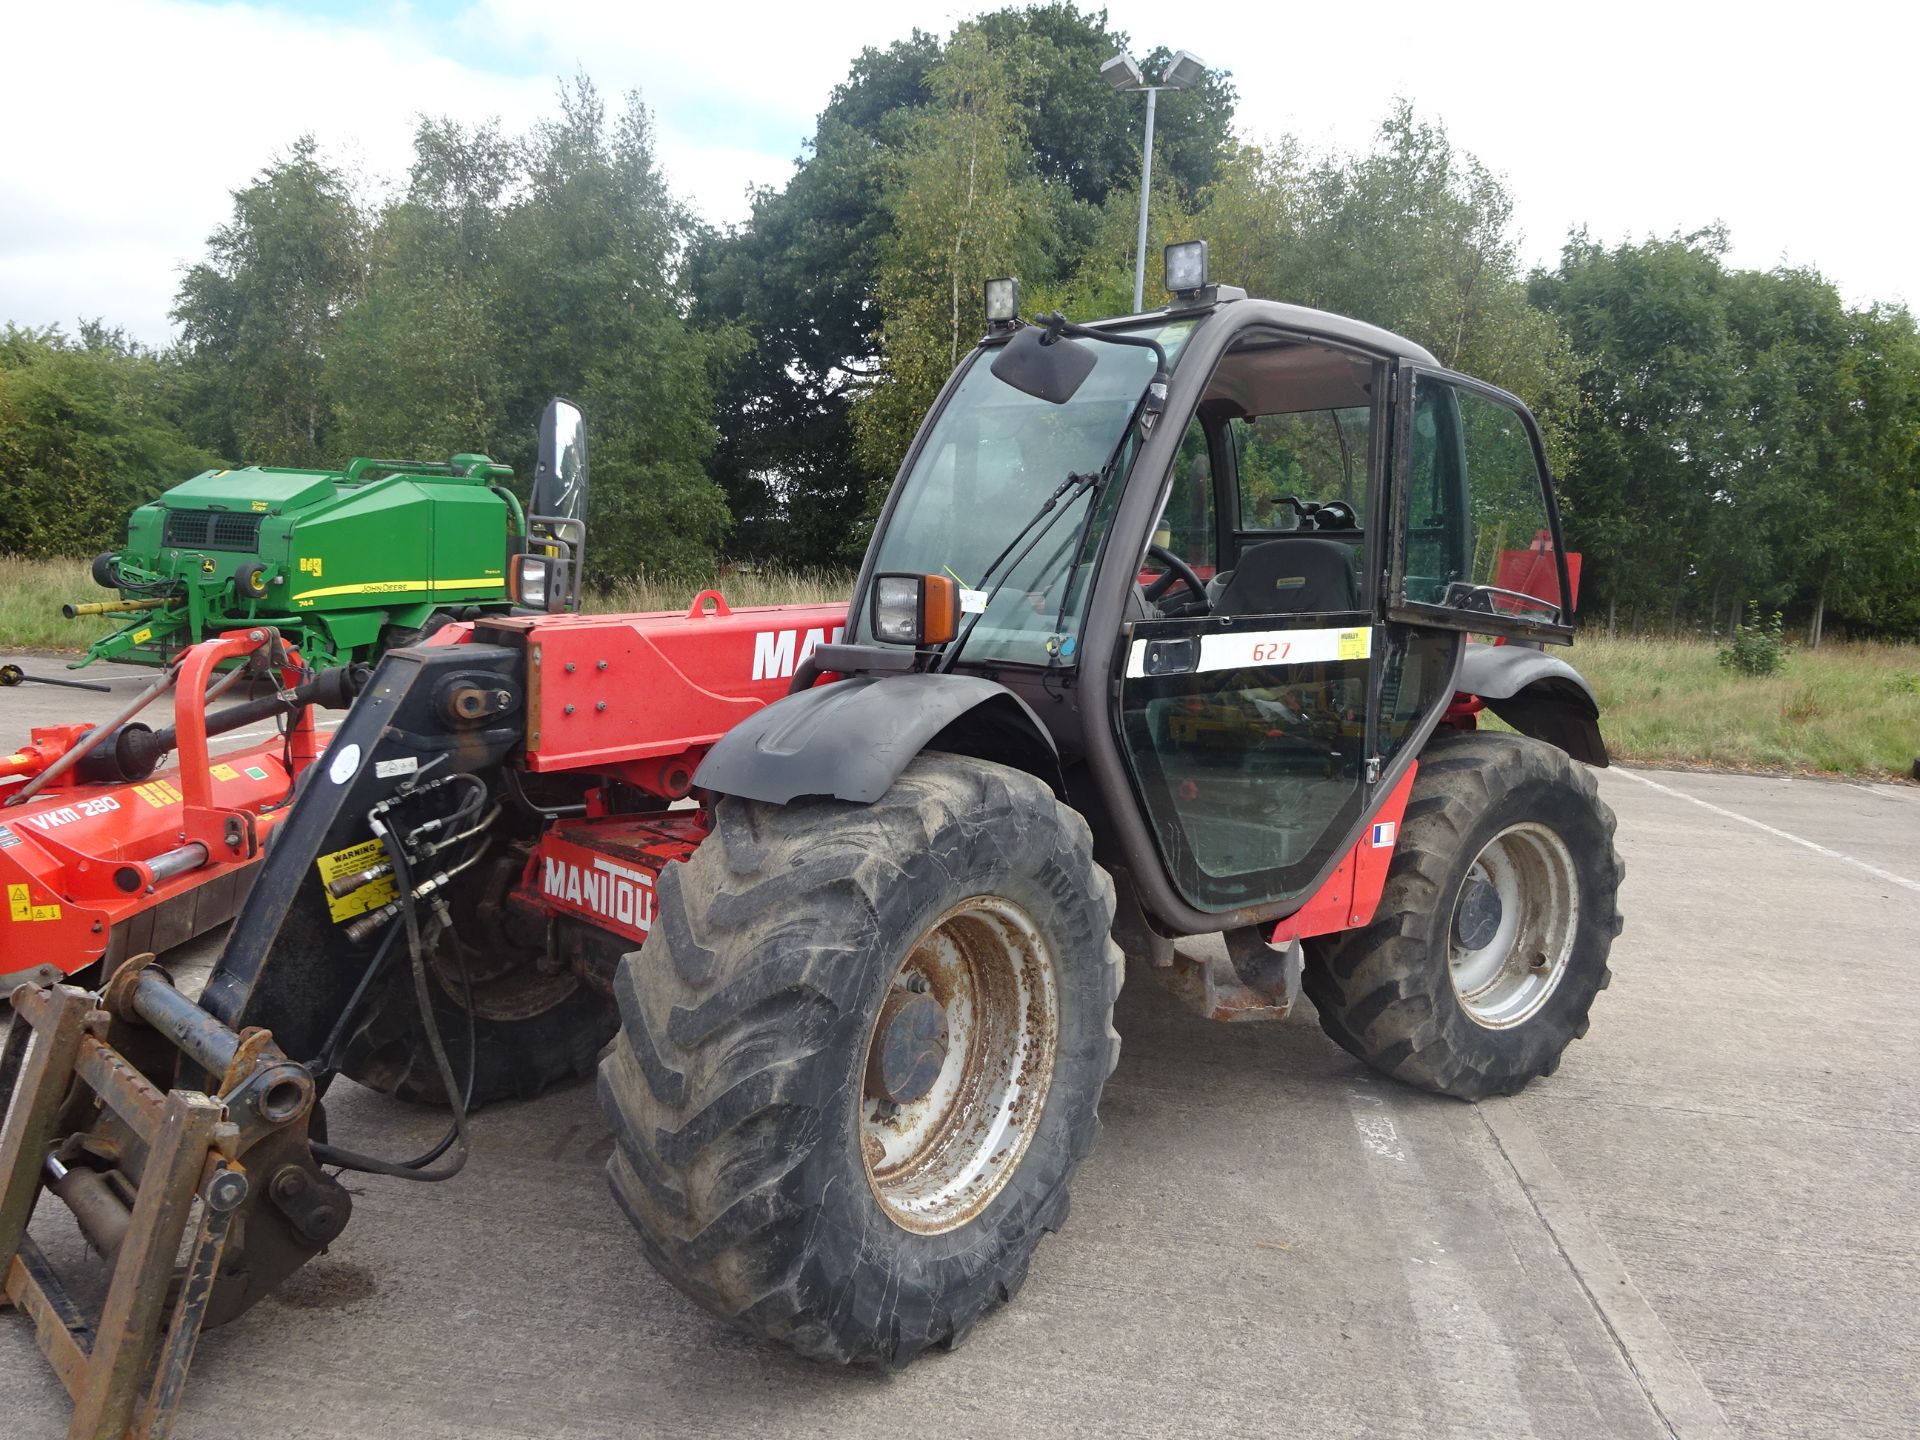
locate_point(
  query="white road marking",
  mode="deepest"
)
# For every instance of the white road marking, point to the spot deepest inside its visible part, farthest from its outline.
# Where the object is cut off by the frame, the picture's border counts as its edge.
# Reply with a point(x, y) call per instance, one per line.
point(1777, 833)
point(1671, 1384)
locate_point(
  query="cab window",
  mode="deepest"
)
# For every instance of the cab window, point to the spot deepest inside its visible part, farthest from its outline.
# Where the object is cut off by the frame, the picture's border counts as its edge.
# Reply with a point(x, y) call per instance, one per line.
point(1288, 464)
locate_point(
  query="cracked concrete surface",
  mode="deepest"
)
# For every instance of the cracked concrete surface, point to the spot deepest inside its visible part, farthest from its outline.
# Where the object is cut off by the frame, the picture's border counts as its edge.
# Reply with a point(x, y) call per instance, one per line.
point(1707, 1223)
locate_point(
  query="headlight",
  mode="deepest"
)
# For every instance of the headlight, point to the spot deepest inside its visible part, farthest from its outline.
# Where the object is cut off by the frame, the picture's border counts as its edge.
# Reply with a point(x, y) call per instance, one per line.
point(538, 581)
point(915, 609)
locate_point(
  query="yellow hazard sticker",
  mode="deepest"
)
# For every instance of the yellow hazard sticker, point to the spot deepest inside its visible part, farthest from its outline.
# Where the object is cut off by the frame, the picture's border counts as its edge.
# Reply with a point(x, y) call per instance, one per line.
point(20, 906)
point(142, 635)
point(311, 564)
point(1355, 644)
point(158, 793)
point(351, 861)
point(223, 772)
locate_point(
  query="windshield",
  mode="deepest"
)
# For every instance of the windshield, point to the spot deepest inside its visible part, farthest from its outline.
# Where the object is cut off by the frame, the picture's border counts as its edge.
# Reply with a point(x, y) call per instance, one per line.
point(992, 459)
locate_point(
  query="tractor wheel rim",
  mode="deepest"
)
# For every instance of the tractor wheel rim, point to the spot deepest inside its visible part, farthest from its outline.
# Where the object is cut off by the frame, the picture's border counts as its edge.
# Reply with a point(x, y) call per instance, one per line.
point(939, 1159)
point(1504, 981)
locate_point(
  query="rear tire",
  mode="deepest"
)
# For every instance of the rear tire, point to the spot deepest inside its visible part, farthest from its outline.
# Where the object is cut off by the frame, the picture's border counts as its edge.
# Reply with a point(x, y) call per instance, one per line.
point(1457, 992)
point(749, 1153)
point(531, 1031)
point(517, 1058)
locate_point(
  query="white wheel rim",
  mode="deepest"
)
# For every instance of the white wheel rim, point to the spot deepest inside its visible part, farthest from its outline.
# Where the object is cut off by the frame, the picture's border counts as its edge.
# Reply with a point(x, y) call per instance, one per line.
point(1504, 981)
point(938, 1161)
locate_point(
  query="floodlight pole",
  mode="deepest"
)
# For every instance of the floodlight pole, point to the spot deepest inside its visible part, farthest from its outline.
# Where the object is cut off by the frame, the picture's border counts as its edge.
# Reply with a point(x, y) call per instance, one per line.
point(1146, 190)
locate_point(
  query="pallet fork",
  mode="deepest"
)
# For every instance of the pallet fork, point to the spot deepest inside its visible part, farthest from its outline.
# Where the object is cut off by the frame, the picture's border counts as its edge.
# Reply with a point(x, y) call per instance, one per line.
point(145, 1173)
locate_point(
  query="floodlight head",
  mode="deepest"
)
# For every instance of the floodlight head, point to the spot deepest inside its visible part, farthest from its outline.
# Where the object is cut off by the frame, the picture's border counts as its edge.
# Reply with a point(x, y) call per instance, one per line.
point(1122, 73)
point(1187, 268)
point(1003, 301)
point(1184, 71)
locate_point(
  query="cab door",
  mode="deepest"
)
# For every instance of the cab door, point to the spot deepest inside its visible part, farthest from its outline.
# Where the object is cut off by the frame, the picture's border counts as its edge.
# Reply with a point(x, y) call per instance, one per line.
point(1477, 545)
point(1248, 729)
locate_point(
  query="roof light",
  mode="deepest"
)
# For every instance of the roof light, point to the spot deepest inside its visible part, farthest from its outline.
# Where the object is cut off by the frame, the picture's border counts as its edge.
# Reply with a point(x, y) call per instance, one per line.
point(1003, 302)
point(1187, 268)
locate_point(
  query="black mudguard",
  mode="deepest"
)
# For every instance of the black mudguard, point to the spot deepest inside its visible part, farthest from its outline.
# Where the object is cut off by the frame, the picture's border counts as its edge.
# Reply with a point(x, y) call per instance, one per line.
point(1538, 694)
point(852, 738)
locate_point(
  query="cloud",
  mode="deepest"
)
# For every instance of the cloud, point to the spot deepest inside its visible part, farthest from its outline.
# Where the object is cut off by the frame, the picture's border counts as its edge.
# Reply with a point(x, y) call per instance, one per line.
point(129, 123)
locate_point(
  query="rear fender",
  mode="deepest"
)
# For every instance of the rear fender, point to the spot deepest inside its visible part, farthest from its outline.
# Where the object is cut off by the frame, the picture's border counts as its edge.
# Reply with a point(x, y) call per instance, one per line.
point(851, 739)
point(1537, 694)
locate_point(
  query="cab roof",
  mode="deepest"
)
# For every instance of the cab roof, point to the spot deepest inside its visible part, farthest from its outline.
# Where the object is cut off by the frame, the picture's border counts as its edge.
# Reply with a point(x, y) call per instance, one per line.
point(1303, 319)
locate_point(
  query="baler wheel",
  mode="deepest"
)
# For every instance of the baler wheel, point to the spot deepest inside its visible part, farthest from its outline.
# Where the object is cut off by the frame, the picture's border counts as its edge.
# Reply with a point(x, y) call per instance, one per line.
point(861, 1057)
point(1492, 935)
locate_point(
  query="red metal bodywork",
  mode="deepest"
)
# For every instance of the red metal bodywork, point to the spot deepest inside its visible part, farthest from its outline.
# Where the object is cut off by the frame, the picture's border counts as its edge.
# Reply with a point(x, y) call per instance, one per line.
point(1352, 893)
point(642, 697)
point(60, 850)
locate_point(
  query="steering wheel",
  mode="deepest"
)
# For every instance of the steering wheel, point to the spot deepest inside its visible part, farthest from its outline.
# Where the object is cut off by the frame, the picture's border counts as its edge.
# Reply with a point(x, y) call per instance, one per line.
point(1334, 515)
point(1177, 570)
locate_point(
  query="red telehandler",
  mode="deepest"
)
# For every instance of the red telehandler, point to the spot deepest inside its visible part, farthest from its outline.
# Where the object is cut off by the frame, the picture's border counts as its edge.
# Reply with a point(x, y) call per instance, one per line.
point(835, 899)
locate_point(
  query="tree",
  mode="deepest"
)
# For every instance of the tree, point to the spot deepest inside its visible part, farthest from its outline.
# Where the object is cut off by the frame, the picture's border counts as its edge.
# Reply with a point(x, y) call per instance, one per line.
point(89, 428)
point(802, 274)
point(590, 291)
point(965, 204)
point(260, 315)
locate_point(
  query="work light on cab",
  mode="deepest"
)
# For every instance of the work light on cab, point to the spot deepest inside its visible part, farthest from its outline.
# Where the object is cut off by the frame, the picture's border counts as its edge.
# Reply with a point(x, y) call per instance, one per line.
point(1187, 268)
point(1003, 302)
point(915, 609)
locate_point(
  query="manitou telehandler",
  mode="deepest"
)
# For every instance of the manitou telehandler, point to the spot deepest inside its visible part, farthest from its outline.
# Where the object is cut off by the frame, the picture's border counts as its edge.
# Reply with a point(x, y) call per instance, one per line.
point(1166, 630)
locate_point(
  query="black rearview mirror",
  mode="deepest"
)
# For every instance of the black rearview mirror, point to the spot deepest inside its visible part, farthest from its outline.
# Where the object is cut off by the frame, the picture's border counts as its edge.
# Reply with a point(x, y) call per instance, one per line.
point(1049, 371)
point(560, 477)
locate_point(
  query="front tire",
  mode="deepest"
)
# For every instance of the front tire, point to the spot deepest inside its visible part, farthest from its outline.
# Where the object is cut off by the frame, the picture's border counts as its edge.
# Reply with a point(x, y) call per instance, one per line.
point(1491, 938)
point(861, 1056)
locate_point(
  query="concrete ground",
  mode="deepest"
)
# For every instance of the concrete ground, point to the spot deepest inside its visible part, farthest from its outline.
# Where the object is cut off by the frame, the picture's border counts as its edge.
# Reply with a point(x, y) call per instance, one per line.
point(1707, 1223)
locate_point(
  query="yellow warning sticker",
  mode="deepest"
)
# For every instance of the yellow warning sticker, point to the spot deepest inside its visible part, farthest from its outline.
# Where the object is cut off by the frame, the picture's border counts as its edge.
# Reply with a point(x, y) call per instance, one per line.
point(158, 793)
point(1355, 644)
point(142, 635)
point(351, 861)
point(223, 772)
point(20, 906)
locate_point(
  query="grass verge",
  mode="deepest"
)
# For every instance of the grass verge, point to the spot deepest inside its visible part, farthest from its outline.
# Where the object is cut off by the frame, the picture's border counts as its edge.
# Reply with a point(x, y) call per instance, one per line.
point(1844, 709)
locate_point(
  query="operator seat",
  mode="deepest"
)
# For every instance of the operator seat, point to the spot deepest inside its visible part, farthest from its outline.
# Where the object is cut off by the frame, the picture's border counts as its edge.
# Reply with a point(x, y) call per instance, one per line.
point(1296, 575)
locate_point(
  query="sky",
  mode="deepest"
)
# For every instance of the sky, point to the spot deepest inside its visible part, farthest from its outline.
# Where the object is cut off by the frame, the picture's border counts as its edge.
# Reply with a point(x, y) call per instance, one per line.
point(130, 121)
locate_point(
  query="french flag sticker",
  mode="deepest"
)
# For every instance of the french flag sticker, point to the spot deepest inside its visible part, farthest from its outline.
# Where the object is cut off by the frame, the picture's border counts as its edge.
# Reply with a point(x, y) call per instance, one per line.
point(1383, 835)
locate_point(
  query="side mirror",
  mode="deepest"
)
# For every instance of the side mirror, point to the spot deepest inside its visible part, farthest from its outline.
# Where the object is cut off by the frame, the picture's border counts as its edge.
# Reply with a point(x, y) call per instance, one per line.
point(550, 574)
point(1047, 370)
point(560, 476)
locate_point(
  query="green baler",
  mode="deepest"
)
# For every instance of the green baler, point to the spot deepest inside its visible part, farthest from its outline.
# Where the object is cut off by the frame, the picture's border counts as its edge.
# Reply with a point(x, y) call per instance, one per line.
point(344, 563)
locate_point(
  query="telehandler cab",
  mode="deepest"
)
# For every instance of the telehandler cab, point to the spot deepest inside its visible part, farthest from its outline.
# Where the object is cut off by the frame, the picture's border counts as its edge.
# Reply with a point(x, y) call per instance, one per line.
point(1166, 630)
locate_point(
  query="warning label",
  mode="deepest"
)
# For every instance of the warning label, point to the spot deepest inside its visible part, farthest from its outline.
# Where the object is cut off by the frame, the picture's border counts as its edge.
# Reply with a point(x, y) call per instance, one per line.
point(352, 861)
point(20, 906)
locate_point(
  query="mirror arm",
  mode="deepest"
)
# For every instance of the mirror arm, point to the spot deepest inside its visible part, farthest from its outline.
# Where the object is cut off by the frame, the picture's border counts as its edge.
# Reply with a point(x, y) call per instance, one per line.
point(1057, 325)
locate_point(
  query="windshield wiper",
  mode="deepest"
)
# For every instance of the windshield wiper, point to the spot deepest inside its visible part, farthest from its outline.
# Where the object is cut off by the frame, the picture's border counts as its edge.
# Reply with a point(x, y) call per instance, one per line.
point(1073, 487)
point(1146, 410)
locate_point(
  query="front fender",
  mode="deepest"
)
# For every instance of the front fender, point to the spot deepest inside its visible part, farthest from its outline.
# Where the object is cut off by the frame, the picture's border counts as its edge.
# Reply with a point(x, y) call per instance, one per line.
point(852, 738)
